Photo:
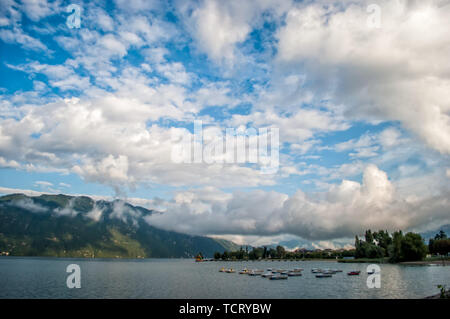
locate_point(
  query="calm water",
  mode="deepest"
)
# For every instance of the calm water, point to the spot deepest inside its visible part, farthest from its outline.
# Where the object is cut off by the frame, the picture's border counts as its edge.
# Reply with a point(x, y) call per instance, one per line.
point(178, 278)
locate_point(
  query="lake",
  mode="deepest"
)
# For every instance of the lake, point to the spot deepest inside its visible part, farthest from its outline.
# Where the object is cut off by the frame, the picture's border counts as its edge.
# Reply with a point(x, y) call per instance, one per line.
point(35, 277)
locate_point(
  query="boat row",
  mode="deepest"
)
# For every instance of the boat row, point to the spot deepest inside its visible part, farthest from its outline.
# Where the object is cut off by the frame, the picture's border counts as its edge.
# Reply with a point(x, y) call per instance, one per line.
point(227, 270)
point(272, 274)
point(278, 274)
point(327, 273)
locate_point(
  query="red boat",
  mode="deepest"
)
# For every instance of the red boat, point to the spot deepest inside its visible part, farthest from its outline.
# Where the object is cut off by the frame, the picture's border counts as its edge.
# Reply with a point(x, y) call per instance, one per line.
point(353, 273)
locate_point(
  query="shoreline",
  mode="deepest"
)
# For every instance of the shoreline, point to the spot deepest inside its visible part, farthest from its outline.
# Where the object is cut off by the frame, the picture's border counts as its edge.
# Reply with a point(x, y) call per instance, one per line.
point(426, 263)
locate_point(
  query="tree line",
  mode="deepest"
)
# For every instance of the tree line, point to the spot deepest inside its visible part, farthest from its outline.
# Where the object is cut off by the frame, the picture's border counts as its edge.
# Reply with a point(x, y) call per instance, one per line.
point(440, 245)
point(398, 246)
point(279, 252)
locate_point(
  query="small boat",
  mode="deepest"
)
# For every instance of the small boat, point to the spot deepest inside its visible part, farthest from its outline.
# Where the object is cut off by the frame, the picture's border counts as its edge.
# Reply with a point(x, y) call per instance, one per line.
point(328, 272)
point(354, 273)
point(267, 274)
point(244, 272)
point(371, 272)
point(298, 269)
point(316, 271)
point(294, 273)
point(323, 275)
point(278, 277)
point(231, 270)
point(222, 269)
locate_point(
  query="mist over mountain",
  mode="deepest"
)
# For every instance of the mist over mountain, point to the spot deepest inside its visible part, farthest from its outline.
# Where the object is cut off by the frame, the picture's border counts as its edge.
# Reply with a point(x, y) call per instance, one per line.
point(78, 226)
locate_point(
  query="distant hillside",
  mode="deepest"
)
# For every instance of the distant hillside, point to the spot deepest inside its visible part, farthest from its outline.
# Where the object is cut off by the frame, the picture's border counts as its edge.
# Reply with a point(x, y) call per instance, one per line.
point(68, 226)
point(228, 245)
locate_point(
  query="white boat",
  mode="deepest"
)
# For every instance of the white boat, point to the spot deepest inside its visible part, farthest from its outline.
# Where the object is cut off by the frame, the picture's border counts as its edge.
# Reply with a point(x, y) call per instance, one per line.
point(316, 271)
point(294, 274)
point(267, 274)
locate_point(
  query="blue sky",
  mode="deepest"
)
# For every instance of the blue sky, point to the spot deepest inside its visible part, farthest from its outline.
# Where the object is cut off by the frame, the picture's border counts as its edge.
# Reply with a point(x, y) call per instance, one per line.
point(364, 137)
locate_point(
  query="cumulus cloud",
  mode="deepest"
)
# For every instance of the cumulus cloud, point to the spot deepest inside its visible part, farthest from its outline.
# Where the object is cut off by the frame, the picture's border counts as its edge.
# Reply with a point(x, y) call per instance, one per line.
point(376, 73)
point(344, 210)
point(219, 26)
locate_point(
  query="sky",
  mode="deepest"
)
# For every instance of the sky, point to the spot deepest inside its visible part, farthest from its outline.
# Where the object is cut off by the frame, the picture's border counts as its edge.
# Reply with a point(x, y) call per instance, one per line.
point(358, 91)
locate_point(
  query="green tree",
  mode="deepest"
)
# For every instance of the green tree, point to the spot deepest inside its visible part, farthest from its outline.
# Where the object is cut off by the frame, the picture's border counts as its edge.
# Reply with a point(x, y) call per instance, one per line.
point(394, 249)
point(383, 239)
point(413, 247)
point(272, 253)
point(225, 255)
point(369, 236)
point(441, 235)
point(441, 246)
point(217, 255)
point(281, 252)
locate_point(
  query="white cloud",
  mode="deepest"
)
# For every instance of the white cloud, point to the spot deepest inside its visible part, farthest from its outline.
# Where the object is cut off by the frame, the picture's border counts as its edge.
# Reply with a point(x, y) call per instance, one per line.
point(95, 214)
point(17, 35)
point(107, 140)
point(43, 183)
point(376, 74)
point(344, 210)
point(218, 26)
point(30, 205)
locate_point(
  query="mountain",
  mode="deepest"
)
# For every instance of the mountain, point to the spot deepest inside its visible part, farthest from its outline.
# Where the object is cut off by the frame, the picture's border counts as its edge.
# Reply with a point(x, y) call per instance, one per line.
point(78, 226)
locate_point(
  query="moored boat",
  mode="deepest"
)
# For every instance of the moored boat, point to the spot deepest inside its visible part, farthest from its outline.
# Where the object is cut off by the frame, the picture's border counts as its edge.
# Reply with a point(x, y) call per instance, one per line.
point(323, 275)
point(278, 277)
point(354, 273)
point(328, 272)
point(294, 274)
